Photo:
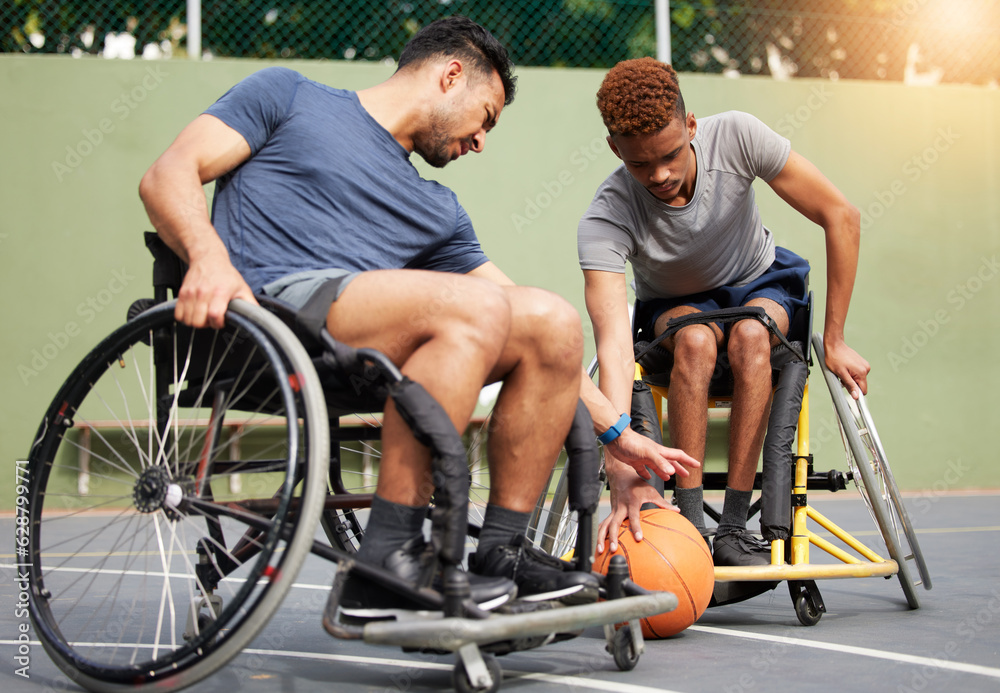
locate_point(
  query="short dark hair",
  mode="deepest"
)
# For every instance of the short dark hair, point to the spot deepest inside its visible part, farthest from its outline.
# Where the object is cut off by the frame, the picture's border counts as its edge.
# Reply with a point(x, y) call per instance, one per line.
point(640, 96)
point(462, 38)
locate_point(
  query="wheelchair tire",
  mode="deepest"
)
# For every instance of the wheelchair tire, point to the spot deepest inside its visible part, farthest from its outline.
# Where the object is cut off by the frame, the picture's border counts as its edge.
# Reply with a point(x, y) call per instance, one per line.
point(806, 611)
point(874, 479)
point(460, 677)
point(552, 527)
point(358, 438)
point(557, 526)
point(623, 649)
point(160, 572)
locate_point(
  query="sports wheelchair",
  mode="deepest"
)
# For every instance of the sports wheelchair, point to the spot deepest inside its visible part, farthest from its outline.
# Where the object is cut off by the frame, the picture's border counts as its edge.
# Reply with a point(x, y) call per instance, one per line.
point(787, 476)
point(211, 468)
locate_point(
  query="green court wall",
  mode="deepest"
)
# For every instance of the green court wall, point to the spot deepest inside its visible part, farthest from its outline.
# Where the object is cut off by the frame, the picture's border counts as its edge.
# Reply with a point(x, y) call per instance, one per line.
point(921, 164)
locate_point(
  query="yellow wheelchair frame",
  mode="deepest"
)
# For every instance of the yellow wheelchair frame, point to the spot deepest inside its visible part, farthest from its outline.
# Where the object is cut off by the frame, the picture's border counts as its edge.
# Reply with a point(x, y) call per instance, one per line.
point(870, 471)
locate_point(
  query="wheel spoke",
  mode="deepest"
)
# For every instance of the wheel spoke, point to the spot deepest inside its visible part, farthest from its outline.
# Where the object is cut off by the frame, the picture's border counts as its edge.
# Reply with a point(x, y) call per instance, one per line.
point(117, 573)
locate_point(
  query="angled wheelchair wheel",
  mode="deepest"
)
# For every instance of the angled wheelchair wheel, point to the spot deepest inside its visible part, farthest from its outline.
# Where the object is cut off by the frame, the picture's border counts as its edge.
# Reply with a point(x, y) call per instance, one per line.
point(557, 525)
point(165, 567)
point(870, 471)
point(359, 453)
point(553, 526)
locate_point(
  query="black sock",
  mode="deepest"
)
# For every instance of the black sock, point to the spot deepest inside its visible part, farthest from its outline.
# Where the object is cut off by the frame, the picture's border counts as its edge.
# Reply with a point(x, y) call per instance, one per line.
point(734, 511)
point(390, 525)
point(690, 501)
point(500, 526)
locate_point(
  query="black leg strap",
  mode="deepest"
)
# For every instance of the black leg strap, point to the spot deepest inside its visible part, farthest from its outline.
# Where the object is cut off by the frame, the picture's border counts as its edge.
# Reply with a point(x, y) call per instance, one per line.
point(724, 315)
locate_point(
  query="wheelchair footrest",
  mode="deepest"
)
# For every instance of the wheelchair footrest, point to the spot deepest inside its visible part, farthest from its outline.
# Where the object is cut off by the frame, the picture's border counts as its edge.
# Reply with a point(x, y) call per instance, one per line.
point(806, 571)
point(450, 634)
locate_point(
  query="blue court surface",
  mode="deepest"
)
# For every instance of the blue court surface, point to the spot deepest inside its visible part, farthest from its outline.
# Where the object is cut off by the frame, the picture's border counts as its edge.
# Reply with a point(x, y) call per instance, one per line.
point(867, 641)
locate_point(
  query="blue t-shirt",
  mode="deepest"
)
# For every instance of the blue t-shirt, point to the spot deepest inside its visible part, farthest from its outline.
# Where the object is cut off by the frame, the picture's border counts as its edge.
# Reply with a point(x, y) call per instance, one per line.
point(326, 186)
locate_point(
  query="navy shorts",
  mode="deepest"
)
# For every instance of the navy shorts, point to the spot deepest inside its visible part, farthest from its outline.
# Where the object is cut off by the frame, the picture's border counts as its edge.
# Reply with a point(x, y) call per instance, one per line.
point(786, 282)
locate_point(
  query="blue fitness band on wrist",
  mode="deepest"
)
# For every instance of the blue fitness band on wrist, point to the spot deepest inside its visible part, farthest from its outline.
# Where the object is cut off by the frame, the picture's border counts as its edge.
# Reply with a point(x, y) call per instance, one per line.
point(616, 430)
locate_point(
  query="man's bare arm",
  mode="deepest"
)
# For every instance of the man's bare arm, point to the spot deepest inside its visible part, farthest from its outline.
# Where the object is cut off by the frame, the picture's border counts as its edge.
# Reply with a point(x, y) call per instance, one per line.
point(805, 188)
point(172, 192)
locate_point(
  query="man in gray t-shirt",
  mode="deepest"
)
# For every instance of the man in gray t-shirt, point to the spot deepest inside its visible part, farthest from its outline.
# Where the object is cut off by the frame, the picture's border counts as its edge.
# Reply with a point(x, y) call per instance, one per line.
point(681, 210)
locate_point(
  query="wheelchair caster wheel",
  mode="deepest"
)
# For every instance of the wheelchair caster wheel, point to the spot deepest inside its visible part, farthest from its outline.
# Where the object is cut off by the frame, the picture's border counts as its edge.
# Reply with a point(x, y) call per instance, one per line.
point(461, 682)
point(202, 618)
point(807, 611)
point(205, 621)
point(808, 601)
point(623, 649)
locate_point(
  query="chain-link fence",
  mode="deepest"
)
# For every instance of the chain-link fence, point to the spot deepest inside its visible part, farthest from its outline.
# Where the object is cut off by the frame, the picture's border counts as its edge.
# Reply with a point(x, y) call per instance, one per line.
point(917, 41)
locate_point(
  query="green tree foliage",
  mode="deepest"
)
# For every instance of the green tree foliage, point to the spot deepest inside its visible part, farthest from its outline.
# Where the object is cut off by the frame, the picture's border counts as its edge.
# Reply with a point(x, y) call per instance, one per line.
point(856, 39)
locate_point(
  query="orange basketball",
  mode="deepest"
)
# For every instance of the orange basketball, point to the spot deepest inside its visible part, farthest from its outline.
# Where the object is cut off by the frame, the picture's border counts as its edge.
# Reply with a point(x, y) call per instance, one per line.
point(671, 557)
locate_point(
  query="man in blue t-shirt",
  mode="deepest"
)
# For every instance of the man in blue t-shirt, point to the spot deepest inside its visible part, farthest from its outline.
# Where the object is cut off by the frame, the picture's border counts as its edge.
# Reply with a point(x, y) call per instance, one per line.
point(315, 189)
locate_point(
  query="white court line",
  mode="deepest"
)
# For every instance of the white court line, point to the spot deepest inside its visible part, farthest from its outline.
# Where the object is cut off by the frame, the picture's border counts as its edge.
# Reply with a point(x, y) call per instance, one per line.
point(600, 685)
point(844, 649)
point(575, 681)
point(509, 675)
point(861, 651)
point(917, 660)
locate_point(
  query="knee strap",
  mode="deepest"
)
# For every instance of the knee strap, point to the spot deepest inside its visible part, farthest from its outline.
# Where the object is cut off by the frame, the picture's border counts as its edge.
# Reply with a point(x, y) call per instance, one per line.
point(724, 315)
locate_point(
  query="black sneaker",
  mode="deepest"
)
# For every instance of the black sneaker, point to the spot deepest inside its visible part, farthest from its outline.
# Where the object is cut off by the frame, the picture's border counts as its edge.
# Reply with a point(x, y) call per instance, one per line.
point(413, 562)
point(539, 576)
point(740, 549)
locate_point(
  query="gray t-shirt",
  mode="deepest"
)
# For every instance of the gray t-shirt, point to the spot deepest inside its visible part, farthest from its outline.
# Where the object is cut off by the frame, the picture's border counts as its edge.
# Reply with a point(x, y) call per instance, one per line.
point(717, 239)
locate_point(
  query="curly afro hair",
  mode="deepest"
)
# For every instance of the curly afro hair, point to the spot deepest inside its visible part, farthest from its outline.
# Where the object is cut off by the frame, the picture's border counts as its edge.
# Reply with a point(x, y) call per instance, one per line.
point(639, 96)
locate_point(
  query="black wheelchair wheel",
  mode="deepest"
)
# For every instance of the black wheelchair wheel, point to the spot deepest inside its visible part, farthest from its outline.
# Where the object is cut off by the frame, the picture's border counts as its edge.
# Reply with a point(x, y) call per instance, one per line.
point(205, 459)
point(462, 684)
point(623, 649)
point(553, 527)
point(806, 611)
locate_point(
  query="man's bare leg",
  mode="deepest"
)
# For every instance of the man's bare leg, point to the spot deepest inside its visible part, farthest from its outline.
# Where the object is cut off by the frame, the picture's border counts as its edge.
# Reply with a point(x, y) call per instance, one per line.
point(695, 349)
point(444, 331)
point(540, 369)
point(749, 351)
